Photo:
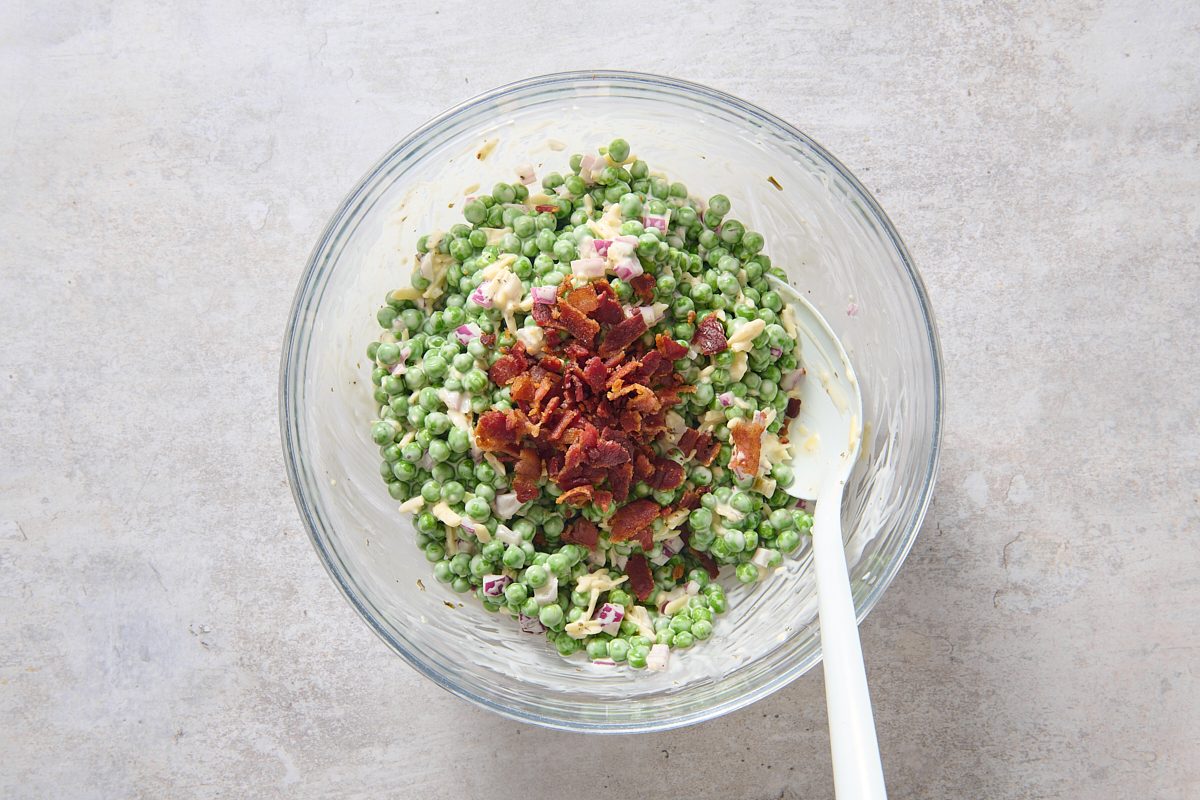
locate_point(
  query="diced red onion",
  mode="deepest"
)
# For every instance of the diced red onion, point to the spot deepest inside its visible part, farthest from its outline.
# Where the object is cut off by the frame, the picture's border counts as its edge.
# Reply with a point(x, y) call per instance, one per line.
point(802, 505)
point(692, 588)
point(588, 267)
point(467, 332)
point(776, 352)
point(619, 560)
point(627, 239)
point(659, 221)
point(531, 624)
point(604, 662)
point(672, 546)
point(525, 174)
point(493, 585)
point(506, 505)
point(791, 380)
point(544, 294)
point(612, 628)
point(587, 248)
point(585, 167)
point(627, 268)
point(480, 297)
point(609, 613)
point(725, 399)
point(852, 310)
point(601, 246)
point(657, 660)
point(660, 559)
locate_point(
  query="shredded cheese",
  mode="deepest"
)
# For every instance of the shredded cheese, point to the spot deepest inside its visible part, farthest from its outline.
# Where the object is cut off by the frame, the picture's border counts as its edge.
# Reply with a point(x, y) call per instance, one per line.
point(413, 504)
point(640, 617)
point(446, 514)
point(743, 338)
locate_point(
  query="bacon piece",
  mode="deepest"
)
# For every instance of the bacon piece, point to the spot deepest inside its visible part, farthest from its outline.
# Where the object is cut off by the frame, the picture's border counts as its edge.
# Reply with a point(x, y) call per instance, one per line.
point(607, 311)
point(643, 286)
point(564, 423)
point(652, 362)
point(710, 336)
point(631, 518)
point(602, 498)
point(645, 538)
point(667, 475)
point(640, 579)
point(793, 408)
point(576, 324)
point(551, 364)
point(621, 335)
point(643, 468)
point(747, 446)
point(579, 496)
point(584, 299)
point(492, 431)
point(631, 421)
point(509, 366)
point(691, 498)
point(620, 478)
point(707, 448)
point(671, 349)
point(595, 374)
point(582, 531)
point(644, 401)
point(488, 339)
point(523, 388)
point(687, 441)
point(528, 472)
point(542, 314)
point(607, 454)
point(706, 561)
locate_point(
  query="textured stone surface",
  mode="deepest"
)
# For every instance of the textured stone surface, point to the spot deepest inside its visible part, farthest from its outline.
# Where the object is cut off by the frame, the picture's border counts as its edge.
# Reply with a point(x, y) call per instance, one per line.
point(165, 629)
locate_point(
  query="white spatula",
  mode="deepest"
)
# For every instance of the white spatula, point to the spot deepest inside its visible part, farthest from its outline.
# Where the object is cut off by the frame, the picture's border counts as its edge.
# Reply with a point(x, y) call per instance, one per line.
point(827, 435)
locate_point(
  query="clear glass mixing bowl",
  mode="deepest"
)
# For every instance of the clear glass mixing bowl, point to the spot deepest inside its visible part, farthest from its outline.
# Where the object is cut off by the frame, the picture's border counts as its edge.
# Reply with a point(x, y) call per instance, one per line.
point(820, 224)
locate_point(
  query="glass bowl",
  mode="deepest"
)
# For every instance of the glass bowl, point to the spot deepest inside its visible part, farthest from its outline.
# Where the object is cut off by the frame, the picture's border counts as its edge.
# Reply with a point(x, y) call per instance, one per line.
point(821, 226)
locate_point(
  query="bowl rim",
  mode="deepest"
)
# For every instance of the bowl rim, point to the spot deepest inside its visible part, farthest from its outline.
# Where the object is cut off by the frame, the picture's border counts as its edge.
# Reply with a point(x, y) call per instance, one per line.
point(288, 416)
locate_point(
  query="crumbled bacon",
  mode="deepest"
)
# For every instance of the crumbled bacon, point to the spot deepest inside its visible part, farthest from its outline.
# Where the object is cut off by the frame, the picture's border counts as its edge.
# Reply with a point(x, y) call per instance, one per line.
point(706, 449)
point(631, 519)
point(623, 334)
point(667, 475)
point(582, 531)
point(747, 446)
point(710, 336)
point(640, 578)
point(670, 348)
point(793, 408)
point(588, 407)
point(509, 366)
point(643, 287)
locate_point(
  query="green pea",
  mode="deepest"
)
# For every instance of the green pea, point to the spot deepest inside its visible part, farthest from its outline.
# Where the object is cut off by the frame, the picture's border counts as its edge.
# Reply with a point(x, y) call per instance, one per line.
point(536, 576)
point(700, 519)
point(551, 615)
point(719, 204)
point(514, 557)
point(782, 474)
point(788, 541)
point(434, 552)
point(475, 212)
point(452, 492)
point(637, 656)
point(477, 509)
point(516, 594)
point(442, 573)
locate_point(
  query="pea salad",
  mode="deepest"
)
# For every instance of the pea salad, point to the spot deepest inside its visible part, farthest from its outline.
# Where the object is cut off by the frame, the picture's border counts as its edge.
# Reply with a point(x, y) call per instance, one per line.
point(583, 397)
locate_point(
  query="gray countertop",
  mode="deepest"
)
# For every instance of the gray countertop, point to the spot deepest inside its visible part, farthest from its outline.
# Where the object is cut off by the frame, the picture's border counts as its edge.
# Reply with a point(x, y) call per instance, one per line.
point(165, 628)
